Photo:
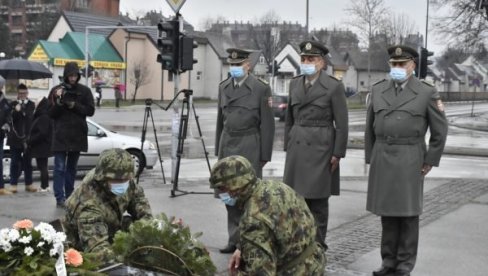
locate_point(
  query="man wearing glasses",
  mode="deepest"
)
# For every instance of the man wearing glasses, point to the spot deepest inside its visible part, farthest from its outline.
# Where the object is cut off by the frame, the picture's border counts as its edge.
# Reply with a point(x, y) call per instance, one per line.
point(401, 110)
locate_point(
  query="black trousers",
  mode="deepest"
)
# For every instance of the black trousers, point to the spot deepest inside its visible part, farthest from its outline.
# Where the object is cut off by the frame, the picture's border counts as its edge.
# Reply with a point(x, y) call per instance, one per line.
point(42, 166)
point(320, 211)
point(399, 242)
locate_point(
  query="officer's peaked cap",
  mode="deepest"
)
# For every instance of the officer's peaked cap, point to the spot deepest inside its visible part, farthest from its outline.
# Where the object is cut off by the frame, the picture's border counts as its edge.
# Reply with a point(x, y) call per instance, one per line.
point(237, 55)
point(313, 48)
point(399, 53)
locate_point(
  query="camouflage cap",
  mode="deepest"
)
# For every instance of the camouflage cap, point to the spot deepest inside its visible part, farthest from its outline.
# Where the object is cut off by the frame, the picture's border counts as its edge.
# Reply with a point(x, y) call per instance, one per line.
point(114, 164)
point(233, 172)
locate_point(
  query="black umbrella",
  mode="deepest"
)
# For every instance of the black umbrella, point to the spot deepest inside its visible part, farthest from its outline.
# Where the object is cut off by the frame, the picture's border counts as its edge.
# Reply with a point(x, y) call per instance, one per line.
point(23, 69)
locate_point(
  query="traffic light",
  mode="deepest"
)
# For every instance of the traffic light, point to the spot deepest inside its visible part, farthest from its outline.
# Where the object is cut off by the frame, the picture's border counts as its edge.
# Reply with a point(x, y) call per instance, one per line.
point(168, 44)
point(187, 45)
point(273, 68)
point(422, 68)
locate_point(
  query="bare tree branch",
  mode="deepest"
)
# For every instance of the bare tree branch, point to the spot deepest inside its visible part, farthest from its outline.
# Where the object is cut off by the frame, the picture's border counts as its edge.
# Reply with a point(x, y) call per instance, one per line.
point(140, 75)
point(463, 25)
point(398, 27)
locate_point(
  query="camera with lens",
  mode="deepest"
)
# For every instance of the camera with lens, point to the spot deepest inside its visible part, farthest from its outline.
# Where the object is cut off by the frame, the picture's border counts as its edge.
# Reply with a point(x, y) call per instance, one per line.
point(68, 94)
point(148, 101)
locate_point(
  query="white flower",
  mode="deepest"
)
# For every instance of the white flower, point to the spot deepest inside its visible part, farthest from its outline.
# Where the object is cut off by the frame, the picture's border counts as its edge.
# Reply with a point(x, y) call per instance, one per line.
point(25, 239)
point(59, 237)
point(13, 235)
point(28, 251)
point(41, 244)
point(7, 247)
point(53, 252)
point(46, 230)
point(4, 234)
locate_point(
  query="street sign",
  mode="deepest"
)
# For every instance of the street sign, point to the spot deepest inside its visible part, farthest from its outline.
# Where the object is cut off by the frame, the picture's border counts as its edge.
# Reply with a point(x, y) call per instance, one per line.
point(176, 4)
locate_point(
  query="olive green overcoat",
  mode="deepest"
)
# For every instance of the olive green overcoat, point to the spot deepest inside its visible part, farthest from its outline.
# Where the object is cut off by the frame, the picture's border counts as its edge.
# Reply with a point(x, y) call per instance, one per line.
point(395, 145)
point(316, 128)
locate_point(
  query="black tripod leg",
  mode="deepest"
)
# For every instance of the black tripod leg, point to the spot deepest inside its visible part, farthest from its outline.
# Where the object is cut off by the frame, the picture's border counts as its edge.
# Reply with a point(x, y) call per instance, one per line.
point(201, 136)
point(157, 146)
point(181, 141)
point(143, 132)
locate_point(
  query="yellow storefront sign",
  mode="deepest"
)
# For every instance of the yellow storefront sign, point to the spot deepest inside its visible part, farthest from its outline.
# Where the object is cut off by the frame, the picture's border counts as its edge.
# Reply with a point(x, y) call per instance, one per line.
point(95, 64)
point(38, 54)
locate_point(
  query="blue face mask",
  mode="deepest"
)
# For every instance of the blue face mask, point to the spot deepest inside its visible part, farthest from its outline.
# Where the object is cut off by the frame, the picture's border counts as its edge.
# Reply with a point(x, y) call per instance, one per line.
point(237, 71)
point(227, 199)
point(307, 69)
point(119, 189)
point(398, 74)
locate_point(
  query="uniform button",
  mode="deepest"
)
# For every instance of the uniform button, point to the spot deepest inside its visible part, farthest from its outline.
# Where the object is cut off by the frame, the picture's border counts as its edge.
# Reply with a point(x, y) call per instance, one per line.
point(308, 144)
point(298, 142)
point(399, 118)
point(386, 117)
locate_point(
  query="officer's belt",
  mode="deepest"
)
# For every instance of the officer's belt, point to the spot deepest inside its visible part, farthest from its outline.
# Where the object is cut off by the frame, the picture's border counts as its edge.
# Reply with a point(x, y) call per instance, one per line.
point(300, 258)
point(313, 123)
point(245, 132)
point(399, 140)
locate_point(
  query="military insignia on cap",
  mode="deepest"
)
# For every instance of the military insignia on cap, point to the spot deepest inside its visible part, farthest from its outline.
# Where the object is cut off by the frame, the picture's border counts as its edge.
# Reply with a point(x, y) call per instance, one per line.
point(308, 46)
point(398, 51)
point(233, 55)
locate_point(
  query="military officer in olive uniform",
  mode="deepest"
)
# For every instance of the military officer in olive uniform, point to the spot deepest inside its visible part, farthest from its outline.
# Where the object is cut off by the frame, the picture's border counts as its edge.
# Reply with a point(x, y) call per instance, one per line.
point(401, 110)
point(277, 230)
point(316, 129)
point(245, 125)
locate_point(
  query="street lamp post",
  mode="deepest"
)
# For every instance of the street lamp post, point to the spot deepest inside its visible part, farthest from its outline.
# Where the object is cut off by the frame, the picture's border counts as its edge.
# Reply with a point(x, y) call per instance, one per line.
point(2, 55)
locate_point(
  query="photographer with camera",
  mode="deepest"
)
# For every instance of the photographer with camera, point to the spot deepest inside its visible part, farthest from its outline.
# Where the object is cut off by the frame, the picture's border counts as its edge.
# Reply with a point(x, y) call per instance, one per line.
point(5, 115)
point(71, 102)
point(22, 116)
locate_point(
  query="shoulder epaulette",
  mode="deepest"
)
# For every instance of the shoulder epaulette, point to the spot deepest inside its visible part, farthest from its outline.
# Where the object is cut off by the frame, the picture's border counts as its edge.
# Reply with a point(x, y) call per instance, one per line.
point(378, 82)
point(263, 81)
point(334, 78)
point(429, 83)
point(297, 76)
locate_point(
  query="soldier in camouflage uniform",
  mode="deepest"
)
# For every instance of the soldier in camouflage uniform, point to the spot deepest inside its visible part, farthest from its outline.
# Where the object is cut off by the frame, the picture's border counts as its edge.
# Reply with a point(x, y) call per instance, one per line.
point(277, 230)
point(94, 212)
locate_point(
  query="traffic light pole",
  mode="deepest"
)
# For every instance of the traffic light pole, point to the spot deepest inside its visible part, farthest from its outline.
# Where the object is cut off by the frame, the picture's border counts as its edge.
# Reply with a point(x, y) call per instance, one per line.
point(175, 128)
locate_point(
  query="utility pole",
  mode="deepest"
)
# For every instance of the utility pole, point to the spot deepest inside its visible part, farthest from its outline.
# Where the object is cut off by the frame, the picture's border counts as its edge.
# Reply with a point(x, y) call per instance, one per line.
point(307, 15)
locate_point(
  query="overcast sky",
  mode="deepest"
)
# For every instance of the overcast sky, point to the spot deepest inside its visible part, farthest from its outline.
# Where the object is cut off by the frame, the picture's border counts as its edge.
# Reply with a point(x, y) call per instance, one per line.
point(323, 13)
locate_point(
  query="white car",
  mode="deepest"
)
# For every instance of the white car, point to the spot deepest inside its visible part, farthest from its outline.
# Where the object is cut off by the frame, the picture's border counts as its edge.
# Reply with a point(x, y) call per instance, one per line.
point(100, 139)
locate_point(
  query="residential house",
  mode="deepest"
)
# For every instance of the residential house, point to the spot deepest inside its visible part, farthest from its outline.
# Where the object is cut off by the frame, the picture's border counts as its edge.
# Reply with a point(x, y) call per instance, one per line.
point(356, 77)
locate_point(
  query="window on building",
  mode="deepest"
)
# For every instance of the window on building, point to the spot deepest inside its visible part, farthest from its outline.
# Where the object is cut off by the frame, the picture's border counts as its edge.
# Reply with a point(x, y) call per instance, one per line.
point(17, 20)
point(199, 75)
point(262, 60)
point(361, 83)
point(83, 4)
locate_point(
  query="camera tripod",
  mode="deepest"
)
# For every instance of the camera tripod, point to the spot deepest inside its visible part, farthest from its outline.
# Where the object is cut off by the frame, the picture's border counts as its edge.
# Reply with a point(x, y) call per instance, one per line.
point(187, 104)
point(147, 114)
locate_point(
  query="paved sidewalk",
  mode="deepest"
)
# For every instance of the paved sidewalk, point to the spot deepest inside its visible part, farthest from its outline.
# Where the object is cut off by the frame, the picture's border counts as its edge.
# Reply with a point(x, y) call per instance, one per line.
point(452, 235)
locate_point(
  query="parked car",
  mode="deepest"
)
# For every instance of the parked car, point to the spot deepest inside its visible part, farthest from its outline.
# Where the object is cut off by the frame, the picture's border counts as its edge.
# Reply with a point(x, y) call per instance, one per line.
point(100, 139)
point(280, 104)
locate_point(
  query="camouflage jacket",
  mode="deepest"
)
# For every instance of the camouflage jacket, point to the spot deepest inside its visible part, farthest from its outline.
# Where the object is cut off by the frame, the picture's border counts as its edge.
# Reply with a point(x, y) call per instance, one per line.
point(275, 229)
point(94, 214)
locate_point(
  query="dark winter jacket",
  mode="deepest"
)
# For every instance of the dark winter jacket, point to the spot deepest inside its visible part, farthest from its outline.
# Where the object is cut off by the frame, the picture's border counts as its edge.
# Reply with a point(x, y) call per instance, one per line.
point(69, 123)
point(21, 123)
point(5, 115)
point(41, 132)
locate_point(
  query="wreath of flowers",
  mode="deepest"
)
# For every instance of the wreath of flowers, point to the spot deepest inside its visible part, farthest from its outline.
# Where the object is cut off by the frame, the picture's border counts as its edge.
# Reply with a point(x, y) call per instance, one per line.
point(165, 245)
point(29, 250)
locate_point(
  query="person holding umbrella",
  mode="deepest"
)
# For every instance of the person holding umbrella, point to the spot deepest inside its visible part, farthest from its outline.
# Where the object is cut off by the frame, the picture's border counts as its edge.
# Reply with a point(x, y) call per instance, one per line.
point(5, 115)
point(22, 114)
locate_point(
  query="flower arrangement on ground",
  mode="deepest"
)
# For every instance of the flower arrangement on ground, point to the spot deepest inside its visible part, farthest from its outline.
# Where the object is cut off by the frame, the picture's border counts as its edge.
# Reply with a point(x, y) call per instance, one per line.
point(165, 245)
point(39, 250)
